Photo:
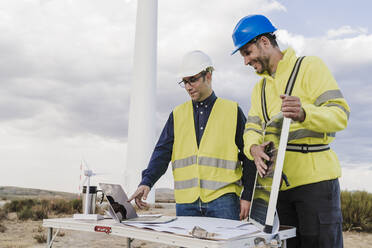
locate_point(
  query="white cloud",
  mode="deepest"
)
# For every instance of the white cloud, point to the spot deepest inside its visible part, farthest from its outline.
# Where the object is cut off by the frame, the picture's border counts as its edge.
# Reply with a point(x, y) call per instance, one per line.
point(356, 177)
point(345, 55)
point(346, 30)
point(286, 39)
point(339, 52)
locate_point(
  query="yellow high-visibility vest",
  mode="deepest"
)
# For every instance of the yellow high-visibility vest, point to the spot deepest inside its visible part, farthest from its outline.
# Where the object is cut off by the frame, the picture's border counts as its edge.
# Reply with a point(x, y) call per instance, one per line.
point(213, 169)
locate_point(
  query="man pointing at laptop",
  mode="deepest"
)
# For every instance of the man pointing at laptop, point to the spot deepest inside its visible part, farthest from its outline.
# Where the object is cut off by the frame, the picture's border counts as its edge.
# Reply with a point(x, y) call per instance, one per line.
point(203, 139)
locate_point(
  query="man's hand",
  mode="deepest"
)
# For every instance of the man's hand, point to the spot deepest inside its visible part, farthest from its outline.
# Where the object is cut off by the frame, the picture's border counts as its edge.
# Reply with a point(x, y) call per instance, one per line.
point(292, 108)
point(244, 209)
point(259, 155)
point(140, 194)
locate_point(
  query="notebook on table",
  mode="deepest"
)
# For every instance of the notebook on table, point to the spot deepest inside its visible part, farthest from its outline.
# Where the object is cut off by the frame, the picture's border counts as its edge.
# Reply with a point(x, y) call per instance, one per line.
point(122, 211)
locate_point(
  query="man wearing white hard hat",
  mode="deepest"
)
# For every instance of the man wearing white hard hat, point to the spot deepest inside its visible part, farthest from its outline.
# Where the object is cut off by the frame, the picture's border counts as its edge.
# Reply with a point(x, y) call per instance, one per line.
point(204, 140)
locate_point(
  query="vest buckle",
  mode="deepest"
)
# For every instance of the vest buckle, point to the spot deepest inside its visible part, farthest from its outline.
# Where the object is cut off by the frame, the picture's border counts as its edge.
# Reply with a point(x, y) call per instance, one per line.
point(305, 148)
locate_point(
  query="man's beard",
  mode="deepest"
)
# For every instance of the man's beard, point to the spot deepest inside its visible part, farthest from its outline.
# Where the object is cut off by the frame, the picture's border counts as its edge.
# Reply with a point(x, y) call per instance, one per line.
point(264, 62)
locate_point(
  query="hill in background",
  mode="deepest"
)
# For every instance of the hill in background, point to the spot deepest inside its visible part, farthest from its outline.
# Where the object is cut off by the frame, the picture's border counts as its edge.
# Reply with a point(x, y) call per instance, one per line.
point(10, 193)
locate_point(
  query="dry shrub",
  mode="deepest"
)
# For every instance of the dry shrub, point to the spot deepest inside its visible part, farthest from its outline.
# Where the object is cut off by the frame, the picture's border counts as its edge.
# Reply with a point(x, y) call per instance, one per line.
point(3, 214)
point(26, 203)
point(39, 212)
point(77, 205)
point(40, 229)
point(40, 238)
point(19, 205)
point(25, 213)
point(356, 210)
point(2, 228)
point(45, 204)
point(61, 206)
point(11, 207)
point(40, 209)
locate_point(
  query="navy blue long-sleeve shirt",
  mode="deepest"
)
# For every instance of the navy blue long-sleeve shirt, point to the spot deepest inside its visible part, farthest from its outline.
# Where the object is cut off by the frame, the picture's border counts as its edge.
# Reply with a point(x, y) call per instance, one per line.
point(162, 153)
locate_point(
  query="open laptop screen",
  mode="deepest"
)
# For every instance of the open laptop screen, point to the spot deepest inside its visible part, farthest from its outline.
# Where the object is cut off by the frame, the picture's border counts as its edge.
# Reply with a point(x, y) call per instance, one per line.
point(123, 211)
point(118, 201)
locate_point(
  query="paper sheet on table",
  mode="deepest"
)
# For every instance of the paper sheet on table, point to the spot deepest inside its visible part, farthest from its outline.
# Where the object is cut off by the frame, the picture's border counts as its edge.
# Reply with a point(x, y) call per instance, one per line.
point(223, 228)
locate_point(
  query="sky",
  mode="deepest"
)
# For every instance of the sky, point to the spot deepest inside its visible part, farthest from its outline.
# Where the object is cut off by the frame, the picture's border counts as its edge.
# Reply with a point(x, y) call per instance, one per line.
point(66, 68)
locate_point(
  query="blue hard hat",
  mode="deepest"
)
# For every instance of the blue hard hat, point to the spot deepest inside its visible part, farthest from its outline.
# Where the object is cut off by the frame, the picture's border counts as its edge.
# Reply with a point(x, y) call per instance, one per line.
point(250, 27)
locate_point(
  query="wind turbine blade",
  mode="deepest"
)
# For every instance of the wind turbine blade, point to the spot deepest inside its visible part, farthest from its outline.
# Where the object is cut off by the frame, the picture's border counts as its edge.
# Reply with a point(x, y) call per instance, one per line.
point(86, 164)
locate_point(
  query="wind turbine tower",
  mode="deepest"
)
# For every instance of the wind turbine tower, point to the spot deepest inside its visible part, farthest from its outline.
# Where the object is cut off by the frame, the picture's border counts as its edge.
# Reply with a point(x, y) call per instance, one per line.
point(142, 122)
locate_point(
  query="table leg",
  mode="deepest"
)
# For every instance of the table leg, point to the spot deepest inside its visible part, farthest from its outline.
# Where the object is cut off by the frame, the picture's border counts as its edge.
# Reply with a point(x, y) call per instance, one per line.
point(129, 242)
point(284, 243)
point(49, 237)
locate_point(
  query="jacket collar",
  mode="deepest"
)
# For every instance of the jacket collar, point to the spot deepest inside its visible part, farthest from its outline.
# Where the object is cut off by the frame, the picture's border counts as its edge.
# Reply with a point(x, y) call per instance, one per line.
point(289, 58)
point(208, 101)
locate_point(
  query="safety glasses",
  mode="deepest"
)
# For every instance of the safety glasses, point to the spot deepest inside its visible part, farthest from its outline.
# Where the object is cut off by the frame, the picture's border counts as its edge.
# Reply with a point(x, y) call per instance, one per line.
point(191, 80)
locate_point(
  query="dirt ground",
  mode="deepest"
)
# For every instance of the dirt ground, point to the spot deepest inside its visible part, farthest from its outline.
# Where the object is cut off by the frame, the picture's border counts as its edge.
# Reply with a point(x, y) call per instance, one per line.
point(20, 234)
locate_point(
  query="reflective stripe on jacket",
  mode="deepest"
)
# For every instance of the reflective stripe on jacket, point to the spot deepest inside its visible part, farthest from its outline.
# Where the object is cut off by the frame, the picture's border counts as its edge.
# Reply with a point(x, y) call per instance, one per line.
point(326, 110)
point(212, 169)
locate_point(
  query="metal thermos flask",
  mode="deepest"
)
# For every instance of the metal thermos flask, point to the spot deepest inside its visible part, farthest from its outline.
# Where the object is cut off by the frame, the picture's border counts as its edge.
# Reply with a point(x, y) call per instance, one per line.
point(91, 199)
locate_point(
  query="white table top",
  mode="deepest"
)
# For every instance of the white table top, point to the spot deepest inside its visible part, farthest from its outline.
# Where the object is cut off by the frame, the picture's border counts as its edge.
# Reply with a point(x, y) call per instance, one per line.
point(112, 228)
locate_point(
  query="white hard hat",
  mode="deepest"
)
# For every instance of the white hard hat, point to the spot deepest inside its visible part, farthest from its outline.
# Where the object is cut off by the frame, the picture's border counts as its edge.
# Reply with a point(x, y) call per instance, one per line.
point(193, 63)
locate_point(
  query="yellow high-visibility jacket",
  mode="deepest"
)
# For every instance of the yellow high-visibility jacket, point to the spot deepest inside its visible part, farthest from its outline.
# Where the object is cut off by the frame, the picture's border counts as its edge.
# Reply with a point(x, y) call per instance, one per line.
point(327, 112)
point(213, 169)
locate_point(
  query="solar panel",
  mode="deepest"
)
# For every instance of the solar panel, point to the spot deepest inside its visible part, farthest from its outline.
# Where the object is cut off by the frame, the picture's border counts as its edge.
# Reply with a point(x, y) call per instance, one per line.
point(266, 189)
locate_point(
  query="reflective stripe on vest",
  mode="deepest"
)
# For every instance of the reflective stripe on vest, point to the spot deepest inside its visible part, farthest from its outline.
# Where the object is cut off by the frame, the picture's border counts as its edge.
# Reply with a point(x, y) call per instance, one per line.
point(184, 162)
point(205, 161)
point(185, 184)
point(205, 184)
point(218, 163)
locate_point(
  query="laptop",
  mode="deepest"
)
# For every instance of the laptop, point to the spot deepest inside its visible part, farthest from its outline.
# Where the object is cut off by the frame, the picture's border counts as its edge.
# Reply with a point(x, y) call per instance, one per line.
point(122, 211)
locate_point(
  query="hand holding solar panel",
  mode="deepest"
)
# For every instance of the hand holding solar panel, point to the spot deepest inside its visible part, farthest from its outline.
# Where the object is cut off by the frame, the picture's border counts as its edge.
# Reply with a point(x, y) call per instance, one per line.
point(276, 129)
point(265, 191)
point(271, 152)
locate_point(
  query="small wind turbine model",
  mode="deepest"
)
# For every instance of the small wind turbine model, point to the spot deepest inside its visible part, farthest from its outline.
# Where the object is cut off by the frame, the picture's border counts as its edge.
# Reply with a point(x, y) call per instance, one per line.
point(87, 204)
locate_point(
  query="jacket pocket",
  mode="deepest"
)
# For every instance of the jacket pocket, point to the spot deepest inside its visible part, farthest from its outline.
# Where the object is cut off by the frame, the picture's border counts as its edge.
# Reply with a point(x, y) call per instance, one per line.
point(330, 229)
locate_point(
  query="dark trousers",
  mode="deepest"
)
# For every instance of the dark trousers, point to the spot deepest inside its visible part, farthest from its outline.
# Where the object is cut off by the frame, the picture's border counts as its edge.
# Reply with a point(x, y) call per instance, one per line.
point(315, 210)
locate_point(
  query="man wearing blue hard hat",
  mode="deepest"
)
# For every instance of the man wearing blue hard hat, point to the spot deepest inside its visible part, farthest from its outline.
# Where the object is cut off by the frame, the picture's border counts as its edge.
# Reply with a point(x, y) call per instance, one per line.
point(304, 90)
